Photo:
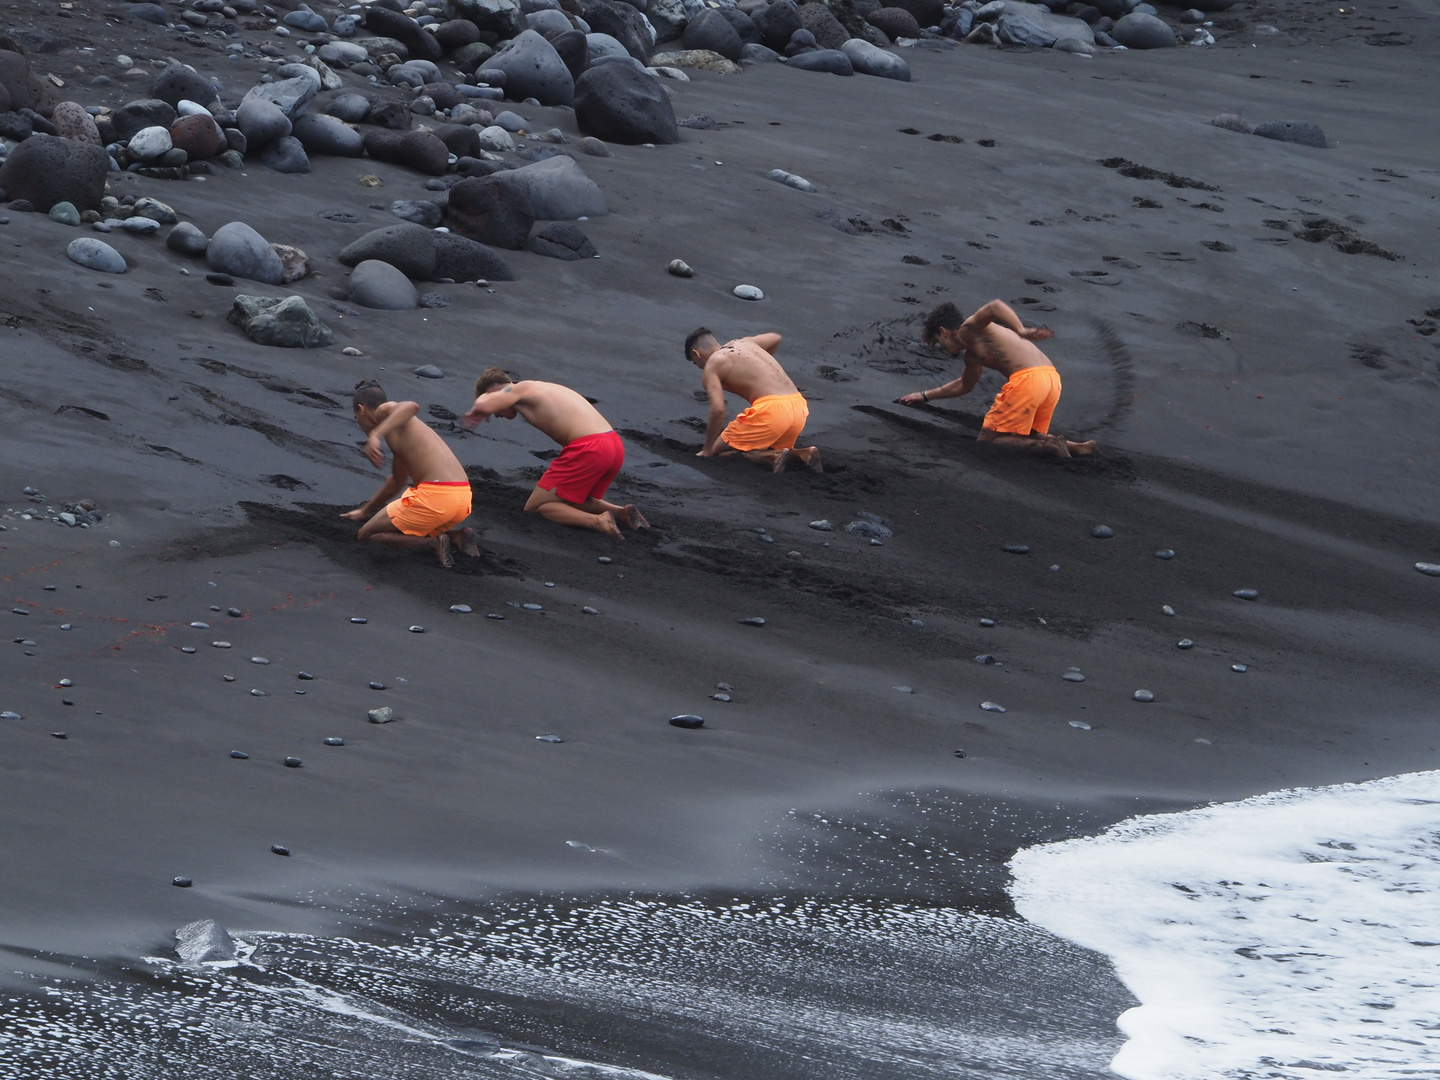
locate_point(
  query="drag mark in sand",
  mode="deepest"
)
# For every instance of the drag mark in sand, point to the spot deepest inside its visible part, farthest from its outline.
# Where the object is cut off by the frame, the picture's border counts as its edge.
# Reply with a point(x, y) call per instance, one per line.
point(1122, 374)
point(1289, 934)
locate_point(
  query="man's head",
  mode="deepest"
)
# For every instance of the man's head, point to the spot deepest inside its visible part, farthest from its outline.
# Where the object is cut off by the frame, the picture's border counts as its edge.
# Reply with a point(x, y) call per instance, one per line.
point(941, 326)
point(493, 378)
point(367, 398)
point(699, 344)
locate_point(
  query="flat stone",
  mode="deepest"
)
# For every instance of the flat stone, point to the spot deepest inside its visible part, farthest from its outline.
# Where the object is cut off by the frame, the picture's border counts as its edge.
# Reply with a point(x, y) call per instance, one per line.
point(383, 715)
point(181, 882)
point(991, 706)
point(532, 607)
point(334, 742)
point(293, 763)
point(220, 644)
point(1428, 568)
point(95, 255)
point(1241, 668)
point(748, 292)
point(359, 620)
point(1073, 676)
point(680, 268)
point(987, 622)
point(791, 180)
point(417, 629)
point(258, 660)
point(822, 525)
point(1102, 532)
point(986, 658)
point(460, 609)
point(1246, 594)
point(239, 755)
point(755, 621)
point(1016, 549)
point(719, 697)
point(1165, 553)
point(688, 721)
point(1143, 695)
point(305, 676)
point(1080, 725)
point(589, 611)
point(549, 738)
point(203, 941)
point(1185, 643)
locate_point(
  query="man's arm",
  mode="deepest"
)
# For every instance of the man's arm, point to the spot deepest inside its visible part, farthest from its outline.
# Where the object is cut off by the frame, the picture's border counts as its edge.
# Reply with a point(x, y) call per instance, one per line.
point(715, 424)
point(1002, 314)
point(393, 485)
point(487, 405)
point(396, 415)
point(768, 342)
point(954, 388)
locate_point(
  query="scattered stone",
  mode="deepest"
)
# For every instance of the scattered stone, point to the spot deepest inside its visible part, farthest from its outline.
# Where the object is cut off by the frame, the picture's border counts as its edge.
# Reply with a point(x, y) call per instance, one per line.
point(239, 755)
point(605, 560)
point(284, 323)
point(460, 609)
point(671, 65)
point(1073, 675)
point(286, 155)
point(799, 183)
point(827, 61)
point(1291, 131)
point(203, 941)
point(1241, 668)
point(74, 123)
point(593, 147)
point(383, 715)
point(754, 621)
point(235, 613)
point(378, 285)
point(719, 697)
point(1430, 569)
point(688, 721)
point(418, 150)
point(986, 658)
point(532, 607)
point(428, 371)
point(261, 122)
point(748, 292)
point(1185, 643)
point(562, 240)
point(616, 103)
point(95, 255)
point(186, 239)
point(1102, 532)
point(534, 69)
point(293, 763)
point(1016, 549)
point(1246, 594)
point(253, 693)
point(868, 59)
point(305, 676)
point(44, 170)
point(873, 529)
point(1165, 553)
point(328, 135)
point(1233, 122)
point(66, 214)
point(1080, 725)
point(220, 644)
point(239, 250)
point(1143, 695)
point(680, 268)
point(1166, 609)
point(1140, 30)
point(179, 882)
point(987, 622)
point(990, 706)
point(259, 660)
point(377, 686)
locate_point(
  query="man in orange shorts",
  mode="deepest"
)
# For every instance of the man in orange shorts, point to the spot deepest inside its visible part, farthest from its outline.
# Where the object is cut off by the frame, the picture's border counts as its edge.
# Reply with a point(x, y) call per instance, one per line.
point(995, 338)
point(433, 510)
point(765, 433)
point(572, 490)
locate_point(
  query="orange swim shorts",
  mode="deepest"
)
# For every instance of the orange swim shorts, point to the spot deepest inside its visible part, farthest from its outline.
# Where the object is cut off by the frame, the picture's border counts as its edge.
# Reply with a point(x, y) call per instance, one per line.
point(1025, 403)
point(772, 422)
point(431, 508)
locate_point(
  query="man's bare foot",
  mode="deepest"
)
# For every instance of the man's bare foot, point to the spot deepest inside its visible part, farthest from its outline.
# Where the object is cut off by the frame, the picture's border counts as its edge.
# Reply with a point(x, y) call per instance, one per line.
point(444, 552)
point(812, 461)
point(606, 523)
point(1059, 446)
point(782, 461)
point(1084, 449)
point(467, 544)
point(633, 518)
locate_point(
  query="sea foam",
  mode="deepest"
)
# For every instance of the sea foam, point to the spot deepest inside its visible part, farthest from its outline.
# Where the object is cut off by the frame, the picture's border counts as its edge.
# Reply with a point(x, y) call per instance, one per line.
point(1289, 935)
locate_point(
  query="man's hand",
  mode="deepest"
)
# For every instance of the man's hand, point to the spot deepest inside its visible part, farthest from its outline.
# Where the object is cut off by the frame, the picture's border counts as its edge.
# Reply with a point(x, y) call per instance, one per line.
point(358, 514)
point(911, 399)
point(374, 452)
point(1038, 333)
point(706, 453)
point(473, 419)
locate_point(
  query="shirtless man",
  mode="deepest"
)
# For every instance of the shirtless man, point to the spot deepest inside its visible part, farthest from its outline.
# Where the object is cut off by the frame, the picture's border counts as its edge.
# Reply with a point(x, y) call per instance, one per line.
point(430, 513)
point(765, 433)
point(572, 491)
point(995, 338)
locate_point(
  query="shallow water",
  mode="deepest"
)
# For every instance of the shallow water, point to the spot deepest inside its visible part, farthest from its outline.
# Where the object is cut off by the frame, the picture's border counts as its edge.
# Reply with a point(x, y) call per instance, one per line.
point(1289, 934)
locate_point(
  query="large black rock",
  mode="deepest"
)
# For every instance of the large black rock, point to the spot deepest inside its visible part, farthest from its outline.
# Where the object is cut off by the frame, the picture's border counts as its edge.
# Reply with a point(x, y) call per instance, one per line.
point(461, 259)
point(777, 22)
point(493, 210)
point(562, 240)
point(135, 116)
point(45, 170)
point(1294, 131)
point(821, 21)
point(418, 150)
point(830, 61)
point(616, 103)
point(711, 30)
point(623, 23)
point(383, 22)
point(178, 83)
point(926, 12)
point(574, 51)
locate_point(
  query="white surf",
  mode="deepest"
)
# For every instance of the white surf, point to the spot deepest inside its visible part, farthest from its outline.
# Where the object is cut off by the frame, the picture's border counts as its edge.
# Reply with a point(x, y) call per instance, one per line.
point(1289, 935)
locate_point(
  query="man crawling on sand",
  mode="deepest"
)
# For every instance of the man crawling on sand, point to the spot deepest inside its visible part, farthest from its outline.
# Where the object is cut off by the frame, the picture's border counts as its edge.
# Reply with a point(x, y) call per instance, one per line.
point(995, 338)
point(572, 491)
point(431, 512)
point(765, 433)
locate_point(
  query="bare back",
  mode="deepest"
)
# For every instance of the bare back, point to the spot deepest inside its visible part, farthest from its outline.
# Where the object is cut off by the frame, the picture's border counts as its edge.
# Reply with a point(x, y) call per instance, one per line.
point(420, 453)
point(745, 368)
point(1000, 349)
point(558, 411)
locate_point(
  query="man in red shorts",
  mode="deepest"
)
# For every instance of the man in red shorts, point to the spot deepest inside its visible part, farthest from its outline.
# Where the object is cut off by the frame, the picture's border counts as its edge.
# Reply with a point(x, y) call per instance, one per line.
point(572, 491)
point(433, 510)
point(995, 338)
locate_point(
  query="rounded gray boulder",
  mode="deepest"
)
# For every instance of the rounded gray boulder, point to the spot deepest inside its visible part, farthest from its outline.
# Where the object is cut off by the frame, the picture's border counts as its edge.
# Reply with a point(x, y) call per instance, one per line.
point(376, 284)
point(712, 31)
point(1141, 31)
point(261, 122)
point(240, 251)
point(327, 136)
point(534, 69)
point(829, 61)
point(616, 103)
point(559, 190)
point(286, 155)
point(869, 59)
point(46, 170)
point(186, 239)
point(95, 255)
point(177, 83)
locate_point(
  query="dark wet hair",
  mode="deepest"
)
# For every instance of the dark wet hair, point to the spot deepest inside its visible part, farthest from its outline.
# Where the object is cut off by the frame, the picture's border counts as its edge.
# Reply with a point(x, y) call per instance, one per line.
point(698, 334)
point(369, 394)
point(945, 317)
point(491, 377)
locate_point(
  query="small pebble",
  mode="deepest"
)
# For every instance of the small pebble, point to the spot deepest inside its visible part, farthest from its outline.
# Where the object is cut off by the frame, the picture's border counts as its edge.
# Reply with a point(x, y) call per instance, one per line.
point(1204, 742)
point(181, 882)
point(687, 720)
point(589, 611)
point(1165, 553)
point(377, 686)
point(1429, 568)
point(258, 693)
point(725, 686)
point(1185, 643)
point(187, 648)
point(549, 584)
point(305, 675)
point(822, 525)
point(756, 621)
point(200, 625)
point(1245, 594)
point(532, 607)
point(382, 715)
point(990, 706)
point(987, 622)
point(960, 753)
point(239, 755)
point(1167, 609)
point(985, 658)
point(1102, 532)
point(904, 689)
point(293, 763)
point(1080, 725)
point(58, 735)
point(9, 715)
point(549, 738)
point(334, 742)
point(1073, 676)
point(259, 660)
point(300, 692)
point(235, 613)
point(66, 682)
point(605, 560)
point(719, 697)
point(280, 849)
point(680, 268)
point(916, 623)
point(492, 615)
point(748, 292)
point(359, 621)
point(1143, 695)
point(1054, 566)
point(1241, 668)
point(417, 629)
point(1016, 549)
point(65, 626)
point(460, 609)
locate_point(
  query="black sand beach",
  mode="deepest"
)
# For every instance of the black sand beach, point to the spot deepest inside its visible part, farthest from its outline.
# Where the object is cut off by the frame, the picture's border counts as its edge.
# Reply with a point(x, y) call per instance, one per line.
point(1265, 402)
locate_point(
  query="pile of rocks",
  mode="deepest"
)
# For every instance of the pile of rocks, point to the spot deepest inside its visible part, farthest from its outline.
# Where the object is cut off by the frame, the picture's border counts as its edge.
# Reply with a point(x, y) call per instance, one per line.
point(1074, 25)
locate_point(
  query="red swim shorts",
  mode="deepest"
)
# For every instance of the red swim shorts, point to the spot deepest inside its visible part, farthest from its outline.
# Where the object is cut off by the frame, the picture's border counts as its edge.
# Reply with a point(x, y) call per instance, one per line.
point(585, 468)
